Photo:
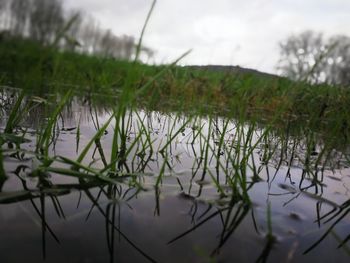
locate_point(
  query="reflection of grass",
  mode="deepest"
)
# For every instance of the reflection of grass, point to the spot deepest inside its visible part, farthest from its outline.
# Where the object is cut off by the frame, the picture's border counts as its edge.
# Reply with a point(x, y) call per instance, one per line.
point(306, 116)
point(270, 238)
point(28, 66)
point(227, 148)
point(336, 215)
point(2, 170)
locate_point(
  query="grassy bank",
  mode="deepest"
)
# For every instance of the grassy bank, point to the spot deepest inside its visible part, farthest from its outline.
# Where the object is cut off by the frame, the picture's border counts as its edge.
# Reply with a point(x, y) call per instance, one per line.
point(26, 65)
point(293, 128)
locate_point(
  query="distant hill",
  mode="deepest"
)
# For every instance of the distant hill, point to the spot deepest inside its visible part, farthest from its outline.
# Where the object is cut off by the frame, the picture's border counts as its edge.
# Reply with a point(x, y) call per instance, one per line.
point(232, 69)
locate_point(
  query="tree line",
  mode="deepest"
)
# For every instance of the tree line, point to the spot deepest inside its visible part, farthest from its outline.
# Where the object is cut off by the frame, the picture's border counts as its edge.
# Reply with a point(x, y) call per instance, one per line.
point(311, 57)
point(44, 20)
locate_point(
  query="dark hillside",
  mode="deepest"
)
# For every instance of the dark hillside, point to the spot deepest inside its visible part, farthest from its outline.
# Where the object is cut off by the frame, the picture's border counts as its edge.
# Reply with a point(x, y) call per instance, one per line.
point(232, 69)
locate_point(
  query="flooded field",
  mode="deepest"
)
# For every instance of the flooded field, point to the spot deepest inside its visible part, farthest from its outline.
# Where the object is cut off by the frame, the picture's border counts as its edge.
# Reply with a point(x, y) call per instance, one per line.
point(86, 183)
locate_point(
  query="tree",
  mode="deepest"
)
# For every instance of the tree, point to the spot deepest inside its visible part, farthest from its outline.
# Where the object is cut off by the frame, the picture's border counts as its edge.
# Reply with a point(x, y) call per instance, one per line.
point(338, 61)
point(20, 10)
point(74, 21)
point(128, 47)
point(2, 4)
point(105, 43)
point(89, 35)
point(4, 16)
point(46, 19)
point(310, 57)
point(46, 22)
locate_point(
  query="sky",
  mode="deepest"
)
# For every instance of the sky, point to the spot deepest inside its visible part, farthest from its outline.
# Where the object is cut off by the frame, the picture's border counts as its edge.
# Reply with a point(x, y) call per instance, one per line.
point(226, 32)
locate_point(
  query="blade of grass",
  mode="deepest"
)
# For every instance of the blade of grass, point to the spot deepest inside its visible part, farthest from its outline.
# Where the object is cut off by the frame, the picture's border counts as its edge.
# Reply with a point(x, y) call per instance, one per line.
point(97, 135)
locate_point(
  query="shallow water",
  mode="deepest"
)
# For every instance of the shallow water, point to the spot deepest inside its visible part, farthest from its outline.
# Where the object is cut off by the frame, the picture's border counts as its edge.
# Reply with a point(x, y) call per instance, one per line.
point(254, 196)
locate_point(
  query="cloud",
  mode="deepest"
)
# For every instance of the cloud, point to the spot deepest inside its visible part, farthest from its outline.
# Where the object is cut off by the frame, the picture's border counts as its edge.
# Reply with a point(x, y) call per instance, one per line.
point(222, 31)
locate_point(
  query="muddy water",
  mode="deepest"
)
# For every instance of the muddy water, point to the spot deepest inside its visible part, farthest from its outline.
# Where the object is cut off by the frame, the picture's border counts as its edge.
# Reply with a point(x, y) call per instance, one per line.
point(255, 196)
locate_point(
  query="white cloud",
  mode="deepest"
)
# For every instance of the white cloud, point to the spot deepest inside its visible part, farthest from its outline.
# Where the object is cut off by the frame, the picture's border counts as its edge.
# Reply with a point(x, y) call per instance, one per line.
point(222, 31)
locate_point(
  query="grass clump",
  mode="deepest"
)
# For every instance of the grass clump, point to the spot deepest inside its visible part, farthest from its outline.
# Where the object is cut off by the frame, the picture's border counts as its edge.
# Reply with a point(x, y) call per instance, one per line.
point(27, 65)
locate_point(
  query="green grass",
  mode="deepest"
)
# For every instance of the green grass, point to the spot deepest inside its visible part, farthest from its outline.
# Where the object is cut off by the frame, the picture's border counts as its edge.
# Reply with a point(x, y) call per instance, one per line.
point(263, 115)
point(39, 70)
point(231, 150)
point(277, 103)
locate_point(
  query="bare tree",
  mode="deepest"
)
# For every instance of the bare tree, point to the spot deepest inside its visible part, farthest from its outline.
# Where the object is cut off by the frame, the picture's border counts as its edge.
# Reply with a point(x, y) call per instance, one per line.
point(128, 47)
point(299, 54)
point(338, 61)
point(71, 36)
point(110, 45)
point(310, 57)
point(104, 43)
point(46, 19)
point(46, 22)
point(148, 52)
point(90, 34)
point(20, 10)
point(2, 4)
point(107, 44)
point(4, 14)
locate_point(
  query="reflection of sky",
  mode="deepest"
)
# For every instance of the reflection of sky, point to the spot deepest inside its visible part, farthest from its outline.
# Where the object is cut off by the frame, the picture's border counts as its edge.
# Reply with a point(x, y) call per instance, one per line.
point(223, 31)
point(83, 234)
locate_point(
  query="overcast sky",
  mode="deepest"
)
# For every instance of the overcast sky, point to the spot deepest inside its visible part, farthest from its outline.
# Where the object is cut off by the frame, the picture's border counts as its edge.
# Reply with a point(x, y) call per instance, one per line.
point(228, 32)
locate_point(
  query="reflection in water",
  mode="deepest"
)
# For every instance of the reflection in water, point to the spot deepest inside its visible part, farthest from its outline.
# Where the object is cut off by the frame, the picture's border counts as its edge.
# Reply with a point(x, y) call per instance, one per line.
point(172, 187)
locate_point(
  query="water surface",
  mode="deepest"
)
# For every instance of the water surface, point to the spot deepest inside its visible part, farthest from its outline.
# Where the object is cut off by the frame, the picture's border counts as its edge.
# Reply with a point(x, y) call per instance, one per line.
point(191, 188)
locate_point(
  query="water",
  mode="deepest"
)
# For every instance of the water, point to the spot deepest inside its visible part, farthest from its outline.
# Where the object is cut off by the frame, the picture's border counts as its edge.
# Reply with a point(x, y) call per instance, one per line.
point(220, 190)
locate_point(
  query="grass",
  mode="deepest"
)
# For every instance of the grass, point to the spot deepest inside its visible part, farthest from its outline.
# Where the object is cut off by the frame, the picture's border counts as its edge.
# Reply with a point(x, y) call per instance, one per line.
point(274, 102)
point(37, 69)
point(227, 149)
point(270, 117)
